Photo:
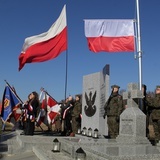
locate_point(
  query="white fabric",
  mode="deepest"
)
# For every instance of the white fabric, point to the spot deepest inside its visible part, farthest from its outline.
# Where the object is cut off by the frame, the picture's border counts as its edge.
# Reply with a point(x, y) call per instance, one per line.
point(109, 28)
point(55, 29)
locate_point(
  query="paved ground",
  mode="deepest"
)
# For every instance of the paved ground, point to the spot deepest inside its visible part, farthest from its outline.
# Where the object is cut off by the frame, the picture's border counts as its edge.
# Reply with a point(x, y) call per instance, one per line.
point(41, 145)
point(22, 156)
point(17, 156)
point(9, 134)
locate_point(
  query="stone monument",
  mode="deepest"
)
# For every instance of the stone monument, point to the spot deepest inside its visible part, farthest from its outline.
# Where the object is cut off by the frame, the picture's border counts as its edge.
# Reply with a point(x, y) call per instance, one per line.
point(132, 119)
point(95, 94)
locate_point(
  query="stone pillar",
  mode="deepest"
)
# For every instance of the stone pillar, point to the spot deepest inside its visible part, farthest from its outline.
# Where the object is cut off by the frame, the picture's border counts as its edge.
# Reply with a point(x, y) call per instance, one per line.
point(132, 119)
point(95, 94)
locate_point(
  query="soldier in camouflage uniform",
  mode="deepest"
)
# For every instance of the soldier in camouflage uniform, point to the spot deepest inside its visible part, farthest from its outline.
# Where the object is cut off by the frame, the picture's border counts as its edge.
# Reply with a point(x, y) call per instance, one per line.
point(154, 104)
point(76, 115)
point(113, 108)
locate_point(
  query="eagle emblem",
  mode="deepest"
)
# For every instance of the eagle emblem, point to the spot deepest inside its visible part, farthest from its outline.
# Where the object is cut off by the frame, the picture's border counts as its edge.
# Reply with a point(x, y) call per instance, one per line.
point(90, 108)
point(6, 102)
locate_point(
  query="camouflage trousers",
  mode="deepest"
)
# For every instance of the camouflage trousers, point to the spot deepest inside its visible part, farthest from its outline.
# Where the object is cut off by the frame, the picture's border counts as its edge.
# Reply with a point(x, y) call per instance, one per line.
point(156, 126)
point(113, 126)
point(75, 124)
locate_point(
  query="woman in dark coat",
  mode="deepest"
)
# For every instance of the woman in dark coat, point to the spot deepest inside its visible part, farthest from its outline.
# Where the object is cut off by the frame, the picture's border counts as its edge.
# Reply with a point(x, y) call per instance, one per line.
point(32, 108)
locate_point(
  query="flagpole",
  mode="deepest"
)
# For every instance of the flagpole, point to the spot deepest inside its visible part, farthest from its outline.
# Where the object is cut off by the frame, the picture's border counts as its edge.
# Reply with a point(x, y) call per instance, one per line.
point(13, 91)
point(42, 89)
point(139, 46)
point(66, 76)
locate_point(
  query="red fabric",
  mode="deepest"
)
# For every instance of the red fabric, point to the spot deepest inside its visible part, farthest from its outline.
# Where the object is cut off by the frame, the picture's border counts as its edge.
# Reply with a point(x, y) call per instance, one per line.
point(51, 102)
point(15, 114)
point(54, 107)
point(0, 108)
point(111, 44)
point(30, 108)
point(44, 51)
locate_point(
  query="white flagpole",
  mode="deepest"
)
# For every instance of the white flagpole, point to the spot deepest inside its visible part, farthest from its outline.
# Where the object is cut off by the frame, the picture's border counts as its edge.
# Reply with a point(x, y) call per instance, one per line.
point(139, 46)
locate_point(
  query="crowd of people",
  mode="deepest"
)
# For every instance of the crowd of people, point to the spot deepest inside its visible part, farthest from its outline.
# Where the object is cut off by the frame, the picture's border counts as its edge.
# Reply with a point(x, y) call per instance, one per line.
point(68, 120)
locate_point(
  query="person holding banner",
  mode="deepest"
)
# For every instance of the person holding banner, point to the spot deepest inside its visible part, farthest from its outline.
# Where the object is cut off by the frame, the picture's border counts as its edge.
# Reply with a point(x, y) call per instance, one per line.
point(66, 115)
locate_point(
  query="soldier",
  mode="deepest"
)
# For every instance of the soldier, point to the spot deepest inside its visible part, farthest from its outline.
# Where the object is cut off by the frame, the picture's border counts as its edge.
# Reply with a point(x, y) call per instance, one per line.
point(154, 104)
point(76, 115)
point(113, 108)
point(145, 109)
point(144, 105)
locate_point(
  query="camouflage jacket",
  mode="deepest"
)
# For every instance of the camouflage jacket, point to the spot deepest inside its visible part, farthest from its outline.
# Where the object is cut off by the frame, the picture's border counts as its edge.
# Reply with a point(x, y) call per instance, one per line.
point(154, 104)
point(114, 105)
point(77, 109)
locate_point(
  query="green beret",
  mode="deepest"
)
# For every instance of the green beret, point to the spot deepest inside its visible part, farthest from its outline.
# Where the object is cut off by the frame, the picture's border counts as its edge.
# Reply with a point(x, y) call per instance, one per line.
point(157, 86)
point(115, 86)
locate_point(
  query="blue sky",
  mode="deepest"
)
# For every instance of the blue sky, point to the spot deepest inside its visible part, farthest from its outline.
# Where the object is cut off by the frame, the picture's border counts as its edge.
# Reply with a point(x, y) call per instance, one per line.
point(20, 19)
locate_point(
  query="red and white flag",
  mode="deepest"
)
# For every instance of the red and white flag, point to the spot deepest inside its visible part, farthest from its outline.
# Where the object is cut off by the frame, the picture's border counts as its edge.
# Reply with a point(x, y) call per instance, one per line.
point(53, 109)
point(110, 35)
point(49, 109)
point(45, 46)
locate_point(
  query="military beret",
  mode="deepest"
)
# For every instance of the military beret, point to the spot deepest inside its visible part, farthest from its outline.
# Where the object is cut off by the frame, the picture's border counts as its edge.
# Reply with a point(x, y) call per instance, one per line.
point(157, 86)
point(115, 86)
point(144, 86)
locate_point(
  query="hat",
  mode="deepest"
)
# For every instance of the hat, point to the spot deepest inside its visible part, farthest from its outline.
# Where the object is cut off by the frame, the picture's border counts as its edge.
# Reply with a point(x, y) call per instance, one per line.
point(78, 95)
point(158, 86)
point(115, 86)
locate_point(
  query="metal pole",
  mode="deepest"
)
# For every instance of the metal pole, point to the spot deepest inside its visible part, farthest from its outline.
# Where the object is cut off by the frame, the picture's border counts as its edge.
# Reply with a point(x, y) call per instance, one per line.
point(66, 76)
point(139, 46)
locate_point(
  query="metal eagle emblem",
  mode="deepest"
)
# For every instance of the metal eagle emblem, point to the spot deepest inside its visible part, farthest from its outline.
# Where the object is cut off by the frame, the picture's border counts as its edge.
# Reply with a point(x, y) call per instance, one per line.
point(90, 108)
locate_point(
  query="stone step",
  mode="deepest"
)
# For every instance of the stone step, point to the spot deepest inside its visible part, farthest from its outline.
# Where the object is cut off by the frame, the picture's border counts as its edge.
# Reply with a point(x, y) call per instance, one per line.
point(3, 148)
point(45, 153)
point(14, 147)
point(5, 136)
point(18, 156)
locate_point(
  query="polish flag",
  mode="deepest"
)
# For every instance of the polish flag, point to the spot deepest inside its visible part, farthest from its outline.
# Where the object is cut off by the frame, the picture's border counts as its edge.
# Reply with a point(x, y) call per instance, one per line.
point(45, 46)
point(110, 35)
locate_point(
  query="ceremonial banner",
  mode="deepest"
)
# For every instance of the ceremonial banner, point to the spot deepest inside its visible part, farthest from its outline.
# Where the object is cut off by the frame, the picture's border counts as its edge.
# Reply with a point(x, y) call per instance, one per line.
point(9, 103)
